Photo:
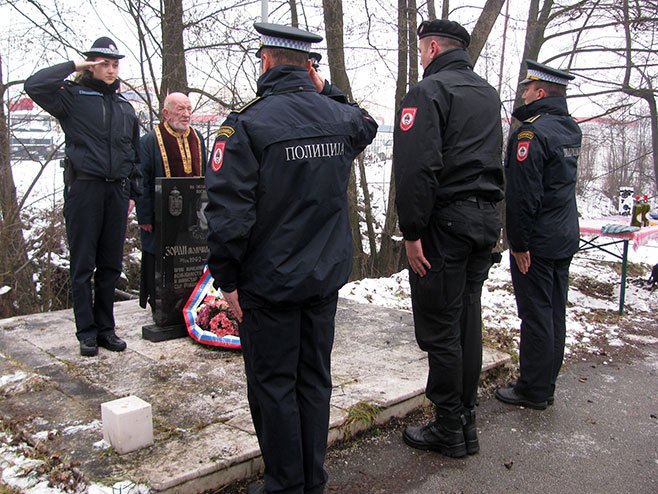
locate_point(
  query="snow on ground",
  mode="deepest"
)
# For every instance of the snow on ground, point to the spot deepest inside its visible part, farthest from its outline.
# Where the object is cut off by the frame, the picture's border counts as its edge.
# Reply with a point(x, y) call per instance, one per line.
point(592, 320)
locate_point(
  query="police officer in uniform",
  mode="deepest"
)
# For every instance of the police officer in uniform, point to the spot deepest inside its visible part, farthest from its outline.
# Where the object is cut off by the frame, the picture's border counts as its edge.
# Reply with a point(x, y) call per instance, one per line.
point(280, 247)
point(447, 157)
point(102, 181)
point(542, 229)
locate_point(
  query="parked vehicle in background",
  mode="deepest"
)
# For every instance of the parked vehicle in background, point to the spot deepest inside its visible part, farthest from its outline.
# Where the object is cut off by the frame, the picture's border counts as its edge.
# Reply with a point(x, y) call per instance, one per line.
point(34, 135)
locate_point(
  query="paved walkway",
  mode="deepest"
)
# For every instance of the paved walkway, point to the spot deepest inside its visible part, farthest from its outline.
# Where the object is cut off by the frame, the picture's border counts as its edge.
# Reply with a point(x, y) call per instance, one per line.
point(203, 433)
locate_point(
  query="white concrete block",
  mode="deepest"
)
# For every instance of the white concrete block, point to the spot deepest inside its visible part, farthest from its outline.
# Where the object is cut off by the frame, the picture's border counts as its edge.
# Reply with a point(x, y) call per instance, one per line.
point(127, 424)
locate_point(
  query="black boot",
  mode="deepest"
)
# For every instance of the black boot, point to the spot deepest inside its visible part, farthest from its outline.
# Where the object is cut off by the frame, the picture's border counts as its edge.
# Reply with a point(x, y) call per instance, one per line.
point(470, 432)
point(444, 435)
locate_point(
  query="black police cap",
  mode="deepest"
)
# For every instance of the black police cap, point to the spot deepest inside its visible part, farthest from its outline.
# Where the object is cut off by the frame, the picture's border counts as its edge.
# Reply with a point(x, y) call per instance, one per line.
point(445, 28)
point(288, 37)
point(104, 47)
point(540, 72)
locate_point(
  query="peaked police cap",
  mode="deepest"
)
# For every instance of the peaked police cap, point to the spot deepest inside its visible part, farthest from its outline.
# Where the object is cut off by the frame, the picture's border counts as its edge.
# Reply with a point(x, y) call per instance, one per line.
point(541, 72)
point(104, 47)
point(280, 36)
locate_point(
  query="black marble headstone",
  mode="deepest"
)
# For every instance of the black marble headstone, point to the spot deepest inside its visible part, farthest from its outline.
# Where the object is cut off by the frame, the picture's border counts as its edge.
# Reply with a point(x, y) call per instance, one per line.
point(181, 251)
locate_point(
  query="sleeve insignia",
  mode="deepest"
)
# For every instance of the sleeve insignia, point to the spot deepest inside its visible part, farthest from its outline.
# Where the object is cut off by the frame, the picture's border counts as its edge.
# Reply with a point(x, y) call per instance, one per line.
point(526, 134)
point(407, 118)
point(225, 131)
point(247, 105)
point(522, 151)
point(218, 156)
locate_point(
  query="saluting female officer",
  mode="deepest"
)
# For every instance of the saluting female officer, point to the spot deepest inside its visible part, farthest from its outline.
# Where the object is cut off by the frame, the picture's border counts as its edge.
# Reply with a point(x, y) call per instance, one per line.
point(102, 150)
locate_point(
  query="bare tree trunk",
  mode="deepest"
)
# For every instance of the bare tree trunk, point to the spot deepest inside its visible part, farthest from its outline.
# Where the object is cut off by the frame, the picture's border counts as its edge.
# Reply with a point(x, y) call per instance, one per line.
point(431, 10)
point(174, 72)
point(446, 9)
point(502, 50)
point(389, 257)
point(483, 27)
point(333, 21)
point(534, 39)
point(649, 95)
point(293, 13)
point(16, 270)
point(367, 206)
point(412, 15)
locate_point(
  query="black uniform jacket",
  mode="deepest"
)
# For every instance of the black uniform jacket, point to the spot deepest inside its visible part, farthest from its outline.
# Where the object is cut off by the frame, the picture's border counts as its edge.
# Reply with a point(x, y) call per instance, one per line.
point(102, 130)
point(540, 168)
point(277, 181)
point(448, 142)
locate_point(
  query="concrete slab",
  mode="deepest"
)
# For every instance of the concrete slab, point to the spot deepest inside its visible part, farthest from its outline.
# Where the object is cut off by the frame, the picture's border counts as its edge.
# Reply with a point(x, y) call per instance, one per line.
point(203, 434)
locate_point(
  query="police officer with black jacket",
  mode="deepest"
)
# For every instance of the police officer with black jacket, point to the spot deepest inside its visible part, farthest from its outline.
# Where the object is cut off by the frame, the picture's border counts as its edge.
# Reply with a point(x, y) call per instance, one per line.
point(280, 247)
point(447, 158)
point(542, 229)
point(102, 150)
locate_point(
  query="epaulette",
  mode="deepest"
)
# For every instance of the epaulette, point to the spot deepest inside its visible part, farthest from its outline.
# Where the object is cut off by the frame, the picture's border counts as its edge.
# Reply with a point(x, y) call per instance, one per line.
point(532, 119)
point(246, 105)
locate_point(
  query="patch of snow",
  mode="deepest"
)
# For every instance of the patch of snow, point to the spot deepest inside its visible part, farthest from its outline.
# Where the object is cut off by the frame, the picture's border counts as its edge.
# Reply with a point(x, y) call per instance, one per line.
point(12, 378)
point(72, 429)
point(4, 289)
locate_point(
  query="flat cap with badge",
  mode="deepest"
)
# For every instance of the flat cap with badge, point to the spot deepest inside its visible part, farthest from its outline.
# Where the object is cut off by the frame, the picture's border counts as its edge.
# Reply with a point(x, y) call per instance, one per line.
point(103, 47)
point(280, 36)
point(444, 28)
point(540, 72)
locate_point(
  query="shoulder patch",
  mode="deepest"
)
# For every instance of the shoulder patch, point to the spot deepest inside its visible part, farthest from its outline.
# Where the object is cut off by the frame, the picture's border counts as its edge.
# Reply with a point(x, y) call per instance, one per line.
point(522, 151)
point(226, 131)
point(532, 119)
point(525, 134)
point(247, 105)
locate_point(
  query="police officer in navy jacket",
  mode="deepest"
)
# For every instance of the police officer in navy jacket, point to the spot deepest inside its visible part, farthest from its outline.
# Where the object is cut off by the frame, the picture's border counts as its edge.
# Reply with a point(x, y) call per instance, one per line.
point(542, 229)
point(281, 247)
point(102, 153)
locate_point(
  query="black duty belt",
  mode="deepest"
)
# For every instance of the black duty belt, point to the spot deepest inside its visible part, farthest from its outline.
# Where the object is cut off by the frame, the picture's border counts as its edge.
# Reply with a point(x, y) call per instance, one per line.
point(96, 178)
point(474, 202)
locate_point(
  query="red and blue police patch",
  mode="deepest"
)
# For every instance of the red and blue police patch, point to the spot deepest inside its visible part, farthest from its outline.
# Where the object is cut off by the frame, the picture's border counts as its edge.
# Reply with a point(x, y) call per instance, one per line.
point(407, 118)
point(522, 150)
point(218, 156)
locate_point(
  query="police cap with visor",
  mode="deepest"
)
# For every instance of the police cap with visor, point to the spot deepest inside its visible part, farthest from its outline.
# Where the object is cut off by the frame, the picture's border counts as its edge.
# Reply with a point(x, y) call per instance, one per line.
point(280, 36)
point(540, 72)
point(103, 47)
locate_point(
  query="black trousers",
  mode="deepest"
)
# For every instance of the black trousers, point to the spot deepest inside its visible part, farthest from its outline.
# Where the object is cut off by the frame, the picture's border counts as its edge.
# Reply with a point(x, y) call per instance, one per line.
point(96, 215)
point(287, 356)
point(446, 301)
point(541, 299)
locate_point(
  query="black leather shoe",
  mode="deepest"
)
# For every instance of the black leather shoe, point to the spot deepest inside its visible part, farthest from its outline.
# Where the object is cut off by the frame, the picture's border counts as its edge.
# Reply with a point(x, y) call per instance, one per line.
point(255, 488)
point(549, 401)
point(88, 347)
point(112, 342)
point(436, 437)
point(470, 432)
point(513, 397)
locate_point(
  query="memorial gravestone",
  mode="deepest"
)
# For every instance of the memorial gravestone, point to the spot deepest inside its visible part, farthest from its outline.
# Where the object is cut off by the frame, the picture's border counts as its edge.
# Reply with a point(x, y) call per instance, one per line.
point(181, 251)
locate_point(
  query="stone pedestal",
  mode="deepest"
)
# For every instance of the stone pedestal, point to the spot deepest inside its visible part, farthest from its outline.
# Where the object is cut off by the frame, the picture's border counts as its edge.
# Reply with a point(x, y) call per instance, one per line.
point(127, 424)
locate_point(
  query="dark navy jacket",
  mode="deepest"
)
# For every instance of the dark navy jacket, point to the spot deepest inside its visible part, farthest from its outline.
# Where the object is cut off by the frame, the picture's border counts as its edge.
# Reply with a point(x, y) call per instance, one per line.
point(102, 130)
point(541, 172)
point(277, 183)
point(448, 142)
